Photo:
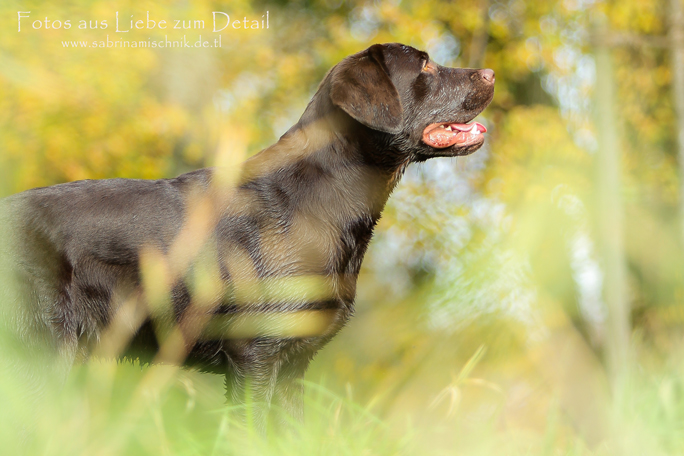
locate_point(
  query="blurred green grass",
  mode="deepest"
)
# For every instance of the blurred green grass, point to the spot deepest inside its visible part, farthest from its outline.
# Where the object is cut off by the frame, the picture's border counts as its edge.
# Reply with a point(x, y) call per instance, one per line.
point(98, 413)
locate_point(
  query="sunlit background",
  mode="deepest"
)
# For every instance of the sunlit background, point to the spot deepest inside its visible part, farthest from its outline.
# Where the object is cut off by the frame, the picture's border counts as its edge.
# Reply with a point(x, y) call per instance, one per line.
point(527, 299)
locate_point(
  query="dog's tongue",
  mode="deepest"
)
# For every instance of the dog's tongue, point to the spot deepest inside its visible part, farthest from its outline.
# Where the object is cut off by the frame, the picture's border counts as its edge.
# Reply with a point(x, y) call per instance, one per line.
point(441, 135)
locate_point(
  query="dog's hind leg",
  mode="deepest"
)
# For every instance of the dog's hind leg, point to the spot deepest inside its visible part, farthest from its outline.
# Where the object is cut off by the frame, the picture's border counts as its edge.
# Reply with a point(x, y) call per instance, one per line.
point(34, 364)
point(38, 335)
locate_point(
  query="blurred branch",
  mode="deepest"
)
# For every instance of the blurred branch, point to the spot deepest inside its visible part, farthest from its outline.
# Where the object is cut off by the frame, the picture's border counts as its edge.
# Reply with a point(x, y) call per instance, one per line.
point(603, 38)
point(453, 390)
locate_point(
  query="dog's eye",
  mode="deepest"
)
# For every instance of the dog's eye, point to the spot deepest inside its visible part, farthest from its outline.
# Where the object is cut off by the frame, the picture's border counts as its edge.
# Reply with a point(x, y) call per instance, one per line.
point(427, 66)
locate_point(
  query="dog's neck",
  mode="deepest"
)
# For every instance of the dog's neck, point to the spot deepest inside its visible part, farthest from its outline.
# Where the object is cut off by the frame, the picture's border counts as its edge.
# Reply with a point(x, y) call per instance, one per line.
point(331, 145)
point(327, 175)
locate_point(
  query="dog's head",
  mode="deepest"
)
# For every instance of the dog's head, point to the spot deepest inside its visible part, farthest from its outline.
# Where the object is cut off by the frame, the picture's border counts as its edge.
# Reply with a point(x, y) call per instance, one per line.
point(398, 91)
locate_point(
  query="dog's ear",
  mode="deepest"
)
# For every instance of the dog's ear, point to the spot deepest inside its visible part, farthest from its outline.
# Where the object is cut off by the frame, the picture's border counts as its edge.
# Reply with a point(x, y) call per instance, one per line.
point(363, 89)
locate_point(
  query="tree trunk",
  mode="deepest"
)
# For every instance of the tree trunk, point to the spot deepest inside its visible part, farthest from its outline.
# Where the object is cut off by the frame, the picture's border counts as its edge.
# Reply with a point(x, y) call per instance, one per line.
point(677, 56)
point(480, 37)
point(610, 216)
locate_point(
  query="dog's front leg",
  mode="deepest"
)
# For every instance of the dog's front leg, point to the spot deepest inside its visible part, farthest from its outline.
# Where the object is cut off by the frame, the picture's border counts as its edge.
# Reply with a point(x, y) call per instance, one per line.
point(252, 382)
point(289, 392)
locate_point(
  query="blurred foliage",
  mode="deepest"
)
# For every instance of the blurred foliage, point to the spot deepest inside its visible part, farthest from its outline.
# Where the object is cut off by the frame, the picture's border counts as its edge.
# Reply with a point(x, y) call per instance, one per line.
point(495, 249)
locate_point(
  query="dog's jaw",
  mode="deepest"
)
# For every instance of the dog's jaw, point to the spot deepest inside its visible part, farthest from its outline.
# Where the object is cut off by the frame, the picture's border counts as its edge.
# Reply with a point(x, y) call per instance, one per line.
point(443, 135)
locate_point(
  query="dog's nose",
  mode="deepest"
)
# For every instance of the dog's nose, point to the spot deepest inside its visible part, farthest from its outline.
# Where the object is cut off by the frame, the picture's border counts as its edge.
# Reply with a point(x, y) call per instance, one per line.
point(488, 75)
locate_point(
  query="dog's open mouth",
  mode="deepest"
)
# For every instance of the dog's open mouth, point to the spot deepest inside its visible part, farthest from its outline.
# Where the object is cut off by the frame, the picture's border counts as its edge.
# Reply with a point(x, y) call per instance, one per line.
point(447, 134)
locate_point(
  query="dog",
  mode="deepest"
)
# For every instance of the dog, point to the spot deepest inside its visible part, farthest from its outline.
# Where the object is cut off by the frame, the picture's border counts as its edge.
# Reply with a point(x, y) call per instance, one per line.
point(248, 279)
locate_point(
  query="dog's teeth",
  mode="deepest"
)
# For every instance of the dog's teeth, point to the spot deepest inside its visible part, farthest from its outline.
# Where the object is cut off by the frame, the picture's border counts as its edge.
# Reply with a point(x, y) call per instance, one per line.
point(449, 128)
point(475, 130)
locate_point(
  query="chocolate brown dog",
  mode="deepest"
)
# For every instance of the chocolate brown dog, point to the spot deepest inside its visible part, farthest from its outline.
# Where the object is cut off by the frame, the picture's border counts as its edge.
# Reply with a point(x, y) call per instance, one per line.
point(250, 279)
